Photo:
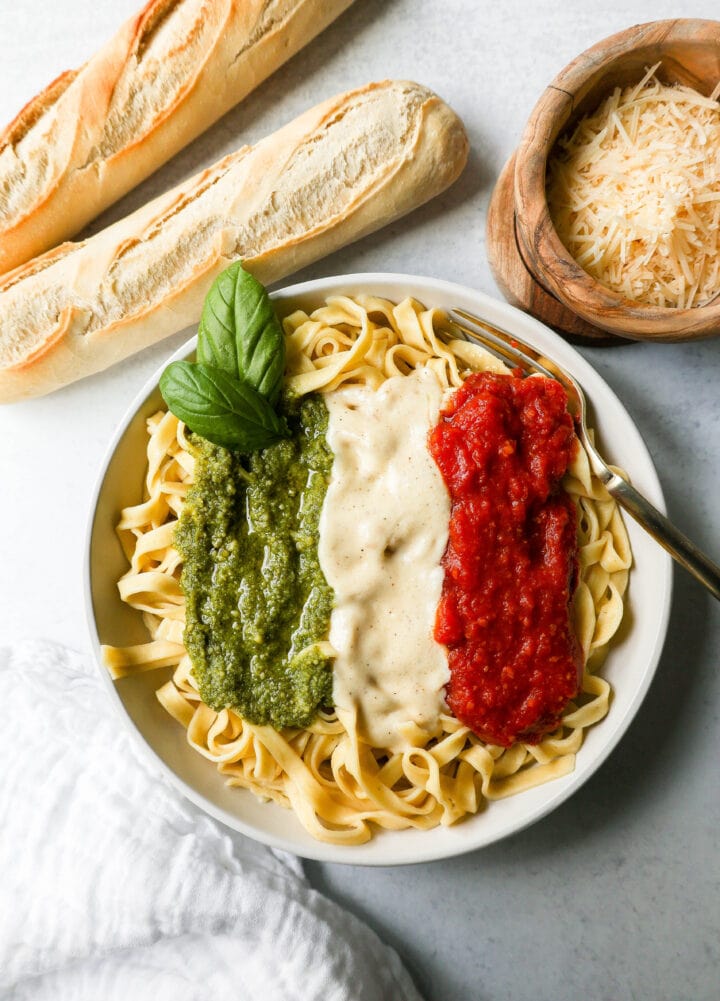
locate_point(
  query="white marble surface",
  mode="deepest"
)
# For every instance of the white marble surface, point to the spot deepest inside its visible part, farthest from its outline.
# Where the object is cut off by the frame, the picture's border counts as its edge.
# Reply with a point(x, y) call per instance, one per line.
point(614, 896)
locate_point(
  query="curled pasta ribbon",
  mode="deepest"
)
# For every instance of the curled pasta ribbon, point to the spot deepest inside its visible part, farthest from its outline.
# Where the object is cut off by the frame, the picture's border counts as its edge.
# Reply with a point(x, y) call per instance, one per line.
point(340, 787)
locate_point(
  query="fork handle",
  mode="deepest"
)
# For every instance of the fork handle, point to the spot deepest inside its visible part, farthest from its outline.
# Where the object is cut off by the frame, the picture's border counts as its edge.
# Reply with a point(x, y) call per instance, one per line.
point(670, 538)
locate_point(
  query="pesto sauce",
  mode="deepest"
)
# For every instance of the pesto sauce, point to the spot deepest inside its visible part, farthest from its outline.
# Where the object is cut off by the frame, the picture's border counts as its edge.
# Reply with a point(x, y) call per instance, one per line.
point(256, 599)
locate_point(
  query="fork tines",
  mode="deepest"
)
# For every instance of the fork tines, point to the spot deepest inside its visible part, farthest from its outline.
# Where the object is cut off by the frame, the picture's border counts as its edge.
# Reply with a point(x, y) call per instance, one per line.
point(501, 343)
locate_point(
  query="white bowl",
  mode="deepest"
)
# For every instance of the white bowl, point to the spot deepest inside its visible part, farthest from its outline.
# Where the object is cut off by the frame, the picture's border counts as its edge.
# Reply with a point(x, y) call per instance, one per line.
point(629, 667)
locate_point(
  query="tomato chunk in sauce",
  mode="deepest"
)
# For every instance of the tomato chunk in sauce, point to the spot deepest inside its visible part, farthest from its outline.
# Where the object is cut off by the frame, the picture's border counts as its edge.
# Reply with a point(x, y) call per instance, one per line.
point(503, 444)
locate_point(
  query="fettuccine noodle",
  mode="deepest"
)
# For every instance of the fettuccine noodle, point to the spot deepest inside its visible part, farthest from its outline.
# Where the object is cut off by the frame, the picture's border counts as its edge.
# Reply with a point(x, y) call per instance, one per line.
point(337, 785)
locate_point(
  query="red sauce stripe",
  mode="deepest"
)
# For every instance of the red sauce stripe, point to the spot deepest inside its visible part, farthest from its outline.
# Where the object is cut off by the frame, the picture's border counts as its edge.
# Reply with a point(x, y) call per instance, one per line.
point(503, 445)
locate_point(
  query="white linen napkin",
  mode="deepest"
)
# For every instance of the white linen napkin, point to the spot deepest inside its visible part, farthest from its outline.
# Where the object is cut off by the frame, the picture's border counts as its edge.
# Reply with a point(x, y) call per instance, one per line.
point(113, 887)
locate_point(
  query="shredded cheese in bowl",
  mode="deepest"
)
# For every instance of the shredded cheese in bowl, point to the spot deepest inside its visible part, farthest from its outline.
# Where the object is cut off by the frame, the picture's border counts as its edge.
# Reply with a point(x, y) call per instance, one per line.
point(634, 193)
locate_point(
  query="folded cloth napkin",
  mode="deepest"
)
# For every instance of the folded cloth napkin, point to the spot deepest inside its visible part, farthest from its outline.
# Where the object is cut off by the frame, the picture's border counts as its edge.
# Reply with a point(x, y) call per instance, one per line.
point(113, 887)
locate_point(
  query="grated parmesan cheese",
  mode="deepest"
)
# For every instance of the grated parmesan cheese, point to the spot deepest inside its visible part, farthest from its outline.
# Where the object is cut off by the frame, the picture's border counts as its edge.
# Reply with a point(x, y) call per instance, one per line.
point(634, 193)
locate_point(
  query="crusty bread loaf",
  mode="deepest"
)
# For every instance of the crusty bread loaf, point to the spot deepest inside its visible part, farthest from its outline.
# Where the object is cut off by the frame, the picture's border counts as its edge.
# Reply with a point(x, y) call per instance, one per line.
point(339, 171)
point(168, 74)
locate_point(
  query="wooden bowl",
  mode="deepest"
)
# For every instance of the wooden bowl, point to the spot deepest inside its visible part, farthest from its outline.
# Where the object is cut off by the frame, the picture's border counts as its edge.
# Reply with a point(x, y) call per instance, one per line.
point(690, 54)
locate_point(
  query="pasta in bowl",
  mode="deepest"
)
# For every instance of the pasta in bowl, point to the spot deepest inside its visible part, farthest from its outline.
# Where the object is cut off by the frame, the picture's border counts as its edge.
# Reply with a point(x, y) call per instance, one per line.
point(350, 773)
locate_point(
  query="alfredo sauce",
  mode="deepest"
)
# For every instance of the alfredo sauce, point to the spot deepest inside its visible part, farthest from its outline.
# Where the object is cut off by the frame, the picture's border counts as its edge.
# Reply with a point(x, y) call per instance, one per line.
point(383, 532)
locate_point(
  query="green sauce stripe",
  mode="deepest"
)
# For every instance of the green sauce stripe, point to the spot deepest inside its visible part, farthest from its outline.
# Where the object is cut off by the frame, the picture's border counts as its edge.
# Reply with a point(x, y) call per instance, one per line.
point(257, 602)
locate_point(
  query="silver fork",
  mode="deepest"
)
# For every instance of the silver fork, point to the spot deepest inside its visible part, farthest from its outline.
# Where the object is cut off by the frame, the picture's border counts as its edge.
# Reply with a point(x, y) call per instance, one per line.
point(510, 348)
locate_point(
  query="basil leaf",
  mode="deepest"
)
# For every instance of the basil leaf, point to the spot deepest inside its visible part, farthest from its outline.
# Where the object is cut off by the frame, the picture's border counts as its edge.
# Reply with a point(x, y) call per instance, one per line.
point(221, 409)
point(240, 333)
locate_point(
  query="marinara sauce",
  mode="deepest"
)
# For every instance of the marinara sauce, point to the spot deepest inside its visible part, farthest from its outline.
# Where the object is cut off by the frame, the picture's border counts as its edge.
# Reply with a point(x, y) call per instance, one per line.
point(503, 445)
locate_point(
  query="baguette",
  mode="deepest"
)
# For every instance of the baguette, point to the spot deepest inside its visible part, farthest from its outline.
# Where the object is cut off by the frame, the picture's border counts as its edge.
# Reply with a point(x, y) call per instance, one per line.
point(336, 173)
point(169, 73)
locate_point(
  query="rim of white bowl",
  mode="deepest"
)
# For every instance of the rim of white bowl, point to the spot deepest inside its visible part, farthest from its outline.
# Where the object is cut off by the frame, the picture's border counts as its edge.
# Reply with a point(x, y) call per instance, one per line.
point(388, 854)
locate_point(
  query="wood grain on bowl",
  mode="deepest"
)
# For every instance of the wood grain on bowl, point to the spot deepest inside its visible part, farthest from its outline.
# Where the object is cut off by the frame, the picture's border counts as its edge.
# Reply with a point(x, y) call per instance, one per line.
point(689, 53)
point(515, 278)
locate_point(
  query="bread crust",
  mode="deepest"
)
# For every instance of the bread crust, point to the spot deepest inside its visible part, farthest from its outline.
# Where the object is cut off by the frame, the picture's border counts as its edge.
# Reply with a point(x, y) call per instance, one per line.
point(341, 170)
point(169, 73)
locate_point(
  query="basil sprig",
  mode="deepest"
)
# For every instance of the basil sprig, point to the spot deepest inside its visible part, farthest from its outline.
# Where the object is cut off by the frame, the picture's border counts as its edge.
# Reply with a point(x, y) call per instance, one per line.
point(222, 409)
point(240, 333)
point(228, 395)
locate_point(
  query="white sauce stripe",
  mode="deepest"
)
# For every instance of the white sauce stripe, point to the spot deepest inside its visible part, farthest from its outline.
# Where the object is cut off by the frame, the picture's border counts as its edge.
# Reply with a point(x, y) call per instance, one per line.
point(383, 532)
